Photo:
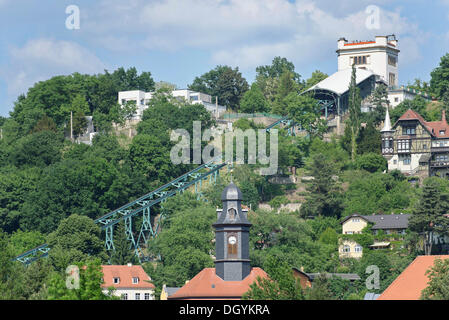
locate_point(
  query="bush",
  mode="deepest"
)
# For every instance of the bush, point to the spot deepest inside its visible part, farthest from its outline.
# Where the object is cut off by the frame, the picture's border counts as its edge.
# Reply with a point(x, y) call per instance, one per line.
point(371, 162)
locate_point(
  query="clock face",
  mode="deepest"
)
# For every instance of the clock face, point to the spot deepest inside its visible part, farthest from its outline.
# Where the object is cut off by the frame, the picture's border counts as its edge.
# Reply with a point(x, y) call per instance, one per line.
point(232, 240)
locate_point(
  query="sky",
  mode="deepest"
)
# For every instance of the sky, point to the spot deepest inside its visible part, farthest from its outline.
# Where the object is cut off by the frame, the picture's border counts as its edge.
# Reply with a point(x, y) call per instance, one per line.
point(178, 40)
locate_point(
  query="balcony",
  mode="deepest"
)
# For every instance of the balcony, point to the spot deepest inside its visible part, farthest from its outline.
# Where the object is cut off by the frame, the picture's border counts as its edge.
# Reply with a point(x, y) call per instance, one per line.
point(440, 149)
point(439, 164)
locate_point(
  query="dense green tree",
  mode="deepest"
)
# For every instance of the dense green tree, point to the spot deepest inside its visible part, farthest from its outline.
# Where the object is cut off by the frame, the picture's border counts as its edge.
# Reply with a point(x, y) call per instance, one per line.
point(354, 104)
point(38, 149)
point(185, 245)
point(428, 215)
point(439, 81)
point(418, 104)
point(223, 82)
point(281, 284)
point(15, 185)
point(77, 238)
point(89, 187)
point(438, 285)
point(316, 77)
point(90, 280)
point(254, 101)
point(123, 252)
point(324, 195)
point(305, 111)
point(371, 162)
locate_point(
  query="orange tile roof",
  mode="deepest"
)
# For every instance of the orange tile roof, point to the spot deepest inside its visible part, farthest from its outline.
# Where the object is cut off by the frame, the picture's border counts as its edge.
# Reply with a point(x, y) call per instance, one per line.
point(409, 284)
point(434, 127)
point(358, 43)
point(126, 274)
point(207, 285)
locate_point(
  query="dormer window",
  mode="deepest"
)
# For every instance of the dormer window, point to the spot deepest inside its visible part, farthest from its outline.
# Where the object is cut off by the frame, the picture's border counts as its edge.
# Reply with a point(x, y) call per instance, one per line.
point(442, 132)
point(232, 213)
point(409, 130)
point(116, 280)
point(135, 280)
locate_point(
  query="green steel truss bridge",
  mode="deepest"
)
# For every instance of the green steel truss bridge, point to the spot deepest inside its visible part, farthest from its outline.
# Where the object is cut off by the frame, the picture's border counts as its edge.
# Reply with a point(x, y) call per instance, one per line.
point(142, 207)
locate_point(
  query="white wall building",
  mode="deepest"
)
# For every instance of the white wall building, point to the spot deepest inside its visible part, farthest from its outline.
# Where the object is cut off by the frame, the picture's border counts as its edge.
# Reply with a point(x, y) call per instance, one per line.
point(130, 282)
point(142, 98)
point(380, 56)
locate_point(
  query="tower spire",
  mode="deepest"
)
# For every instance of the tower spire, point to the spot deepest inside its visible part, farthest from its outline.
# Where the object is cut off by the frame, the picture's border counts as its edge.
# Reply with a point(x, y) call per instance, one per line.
point(387, 122)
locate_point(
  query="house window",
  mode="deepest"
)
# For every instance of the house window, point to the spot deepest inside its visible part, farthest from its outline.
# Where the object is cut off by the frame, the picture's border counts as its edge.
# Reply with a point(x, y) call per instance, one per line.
point(355, 220)
point(409, 130)
point(424, 146)
point(442, 132)
point(147, 296)
point(443, 157)
point(392, 78)
point(123, 101)
point(125, 296)
point(116, 280)
point(194, 98)
point(142, 101)
point(403, 145)
point(407, 160)
point(135, 280)
point(349, 232)
point(395, 161)
point(346, 248)
point(392, 61)
point(137, 296)
point(358, 248)
point(360, 60)
point(396, 99)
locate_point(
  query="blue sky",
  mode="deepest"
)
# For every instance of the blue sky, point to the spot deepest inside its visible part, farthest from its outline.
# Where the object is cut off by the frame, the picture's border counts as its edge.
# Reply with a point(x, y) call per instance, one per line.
point(177, 40)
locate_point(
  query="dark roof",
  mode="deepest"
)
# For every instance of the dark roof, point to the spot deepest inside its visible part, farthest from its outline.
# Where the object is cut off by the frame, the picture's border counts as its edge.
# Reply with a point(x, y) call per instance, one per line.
point(384, 221)
point(389, 221)
point(345, 276)
point(231, 192)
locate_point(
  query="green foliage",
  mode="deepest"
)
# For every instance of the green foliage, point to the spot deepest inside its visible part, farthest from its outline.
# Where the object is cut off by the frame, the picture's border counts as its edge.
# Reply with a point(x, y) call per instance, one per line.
point(184, 244)
point(324, 194)
point(316, 77)
point(376, 193)
point(123, 252)
point(223, 82)
point(428, 215)
point(278, 201)
point(438, 285)
point(305, 111)
point(371, 162)
point(15, 185)
point(76, 239)
point(90, 280)
point(254, 101)
point(439, 82)
point(353, 121)
point(39, 149)
point(281, 284)
point(418, 104)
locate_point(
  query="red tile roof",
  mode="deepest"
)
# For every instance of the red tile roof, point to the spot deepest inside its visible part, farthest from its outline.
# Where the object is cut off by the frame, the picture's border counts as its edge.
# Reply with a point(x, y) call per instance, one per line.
point(434, 127)
point(409, 284)
point(207, 285)
point(126, 274)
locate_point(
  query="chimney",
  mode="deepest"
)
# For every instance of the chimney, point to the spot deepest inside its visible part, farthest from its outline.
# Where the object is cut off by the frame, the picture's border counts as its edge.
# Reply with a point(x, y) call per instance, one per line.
point(130, 264)
point(443, 115)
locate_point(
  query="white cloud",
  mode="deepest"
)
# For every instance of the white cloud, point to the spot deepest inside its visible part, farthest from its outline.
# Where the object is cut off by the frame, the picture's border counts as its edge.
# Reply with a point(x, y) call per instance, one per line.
point(243, 33)
point(40, 59)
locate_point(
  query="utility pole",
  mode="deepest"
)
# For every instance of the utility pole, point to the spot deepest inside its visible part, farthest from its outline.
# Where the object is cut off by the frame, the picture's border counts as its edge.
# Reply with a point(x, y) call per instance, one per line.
point(216, 107)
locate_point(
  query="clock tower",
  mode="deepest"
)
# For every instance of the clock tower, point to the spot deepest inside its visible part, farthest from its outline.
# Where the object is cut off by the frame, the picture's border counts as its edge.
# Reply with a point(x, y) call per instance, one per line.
point(232, 237)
